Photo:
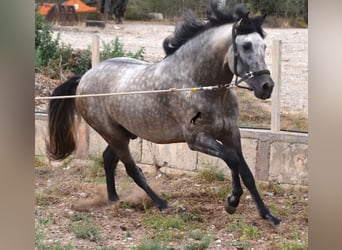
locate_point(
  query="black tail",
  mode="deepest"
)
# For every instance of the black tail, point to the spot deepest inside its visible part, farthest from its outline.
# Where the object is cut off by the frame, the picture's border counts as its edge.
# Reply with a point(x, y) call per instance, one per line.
point(61, 121)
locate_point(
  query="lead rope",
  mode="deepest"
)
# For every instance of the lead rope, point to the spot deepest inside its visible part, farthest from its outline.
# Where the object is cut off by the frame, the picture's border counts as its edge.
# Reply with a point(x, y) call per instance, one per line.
point(171, 90)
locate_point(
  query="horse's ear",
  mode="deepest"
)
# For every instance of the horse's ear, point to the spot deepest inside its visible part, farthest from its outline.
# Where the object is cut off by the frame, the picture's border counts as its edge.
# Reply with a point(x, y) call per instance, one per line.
point(244, 20)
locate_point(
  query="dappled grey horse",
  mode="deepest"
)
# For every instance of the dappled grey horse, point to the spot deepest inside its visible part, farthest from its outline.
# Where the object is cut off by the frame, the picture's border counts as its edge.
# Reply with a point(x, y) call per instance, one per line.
point(199, 53)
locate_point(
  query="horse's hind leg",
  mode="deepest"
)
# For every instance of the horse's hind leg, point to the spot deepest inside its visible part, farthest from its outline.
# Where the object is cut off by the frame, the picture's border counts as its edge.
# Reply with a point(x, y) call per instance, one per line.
point(110, 162)
point(122, 151)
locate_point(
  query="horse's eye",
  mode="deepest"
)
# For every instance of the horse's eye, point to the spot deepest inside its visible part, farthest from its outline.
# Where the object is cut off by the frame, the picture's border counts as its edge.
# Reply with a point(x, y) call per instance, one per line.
point(247, 46)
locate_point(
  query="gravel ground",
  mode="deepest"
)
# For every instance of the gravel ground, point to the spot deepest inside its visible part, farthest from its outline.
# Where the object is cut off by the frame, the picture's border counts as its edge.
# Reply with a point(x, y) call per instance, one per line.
point(134, 35)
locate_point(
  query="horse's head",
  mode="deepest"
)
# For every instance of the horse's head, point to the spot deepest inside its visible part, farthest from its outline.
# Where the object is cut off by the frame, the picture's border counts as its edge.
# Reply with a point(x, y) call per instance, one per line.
point(246, 55)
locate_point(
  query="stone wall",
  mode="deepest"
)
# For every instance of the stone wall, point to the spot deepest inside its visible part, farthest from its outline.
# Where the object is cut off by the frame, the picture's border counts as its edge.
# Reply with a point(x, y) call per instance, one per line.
point(280, 156)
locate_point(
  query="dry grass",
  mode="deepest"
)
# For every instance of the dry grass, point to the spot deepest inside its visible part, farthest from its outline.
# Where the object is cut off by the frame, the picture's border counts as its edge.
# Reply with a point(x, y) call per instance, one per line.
point(257, 113)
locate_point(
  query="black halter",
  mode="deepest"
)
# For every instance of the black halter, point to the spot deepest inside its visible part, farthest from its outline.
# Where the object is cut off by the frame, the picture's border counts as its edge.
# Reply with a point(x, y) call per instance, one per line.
point(248, 75)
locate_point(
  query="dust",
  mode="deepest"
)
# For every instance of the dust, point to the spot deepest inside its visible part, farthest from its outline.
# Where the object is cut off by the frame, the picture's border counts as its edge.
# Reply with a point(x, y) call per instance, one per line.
point(100, 199)
point(132, 196)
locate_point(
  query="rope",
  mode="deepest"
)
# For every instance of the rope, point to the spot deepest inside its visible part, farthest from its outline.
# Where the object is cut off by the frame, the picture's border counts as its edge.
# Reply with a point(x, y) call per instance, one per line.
point(132, 92)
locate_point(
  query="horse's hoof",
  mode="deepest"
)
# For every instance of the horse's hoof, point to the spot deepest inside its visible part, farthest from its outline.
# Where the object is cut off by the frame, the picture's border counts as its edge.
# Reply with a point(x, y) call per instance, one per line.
point(230, 209)
point(162, 205)
point(273, 219)
point(113, 198)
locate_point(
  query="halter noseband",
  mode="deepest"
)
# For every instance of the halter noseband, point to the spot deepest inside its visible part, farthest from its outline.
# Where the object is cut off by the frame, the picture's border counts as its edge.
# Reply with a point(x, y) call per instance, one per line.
point(248, 75)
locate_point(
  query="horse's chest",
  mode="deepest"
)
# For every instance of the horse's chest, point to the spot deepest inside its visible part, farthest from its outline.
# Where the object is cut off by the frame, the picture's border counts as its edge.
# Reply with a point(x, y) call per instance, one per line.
point(213, 115)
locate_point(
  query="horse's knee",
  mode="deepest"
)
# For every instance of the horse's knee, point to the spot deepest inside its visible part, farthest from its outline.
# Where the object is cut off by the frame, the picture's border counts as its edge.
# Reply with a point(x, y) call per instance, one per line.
point(135, 172)
point(109, 159)
point(232, 160)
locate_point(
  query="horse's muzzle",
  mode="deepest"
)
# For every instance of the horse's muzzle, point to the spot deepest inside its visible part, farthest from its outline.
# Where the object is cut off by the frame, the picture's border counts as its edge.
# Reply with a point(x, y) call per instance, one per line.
point(264, 90)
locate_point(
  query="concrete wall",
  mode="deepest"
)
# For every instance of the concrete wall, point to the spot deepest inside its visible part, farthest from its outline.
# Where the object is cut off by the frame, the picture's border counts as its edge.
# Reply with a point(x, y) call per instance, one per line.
point(281, 156)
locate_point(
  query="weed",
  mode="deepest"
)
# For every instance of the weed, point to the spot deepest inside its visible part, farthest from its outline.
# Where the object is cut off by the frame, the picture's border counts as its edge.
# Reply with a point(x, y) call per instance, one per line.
point(167, 195)
point(96, 169)
point(80, 217)
point(39, 161)
point(151, 245)
point(247, 232)
point(188, 217)
point(166, 228)
point(275, 188)
point(298, 240)
point(234, 227)
point(241, 244)
point(211, 174)
point(41, 243)
point(251, 232)
point(292, 245)
point(42, 199)
point(224, 191)
point(203, 241)
point(164, 223)
point(48, 220)
point(280, 210)
point(86, 230)
point(128, 234)
point(39, 238)
point(125, 205)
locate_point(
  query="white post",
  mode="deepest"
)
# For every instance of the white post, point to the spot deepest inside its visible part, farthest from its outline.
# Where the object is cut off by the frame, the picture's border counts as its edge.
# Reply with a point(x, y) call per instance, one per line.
point(95, 51)
point(276, 75)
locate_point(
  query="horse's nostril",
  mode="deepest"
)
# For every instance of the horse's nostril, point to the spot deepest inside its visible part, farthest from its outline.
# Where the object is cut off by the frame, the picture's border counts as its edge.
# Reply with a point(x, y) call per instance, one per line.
point(266, 86)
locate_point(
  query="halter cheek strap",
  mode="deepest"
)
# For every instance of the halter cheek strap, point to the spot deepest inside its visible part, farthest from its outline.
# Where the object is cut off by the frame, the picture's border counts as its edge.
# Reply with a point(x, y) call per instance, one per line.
point(248, 75)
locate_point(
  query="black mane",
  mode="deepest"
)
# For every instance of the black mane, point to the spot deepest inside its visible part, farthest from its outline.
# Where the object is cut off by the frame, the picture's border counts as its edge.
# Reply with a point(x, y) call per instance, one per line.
point(191, 27)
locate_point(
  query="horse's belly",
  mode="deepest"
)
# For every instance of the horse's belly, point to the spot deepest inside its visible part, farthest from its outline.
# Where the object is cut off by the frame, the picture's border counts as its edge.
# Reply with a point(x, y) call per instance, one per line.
point(148, 120)
point(157, 130)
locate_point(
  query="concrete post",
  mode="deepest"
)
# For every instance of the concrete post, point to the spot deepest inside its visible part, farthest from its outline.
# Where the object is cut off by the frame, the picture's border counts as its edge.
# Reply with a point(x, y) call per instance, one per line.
point(276, 75)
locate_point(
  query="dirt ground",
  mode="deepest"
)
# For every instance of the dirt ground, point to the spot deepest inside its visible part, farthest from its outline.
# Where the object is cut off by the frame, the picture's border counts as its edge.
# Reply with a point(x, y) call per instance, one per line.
point(73, 192)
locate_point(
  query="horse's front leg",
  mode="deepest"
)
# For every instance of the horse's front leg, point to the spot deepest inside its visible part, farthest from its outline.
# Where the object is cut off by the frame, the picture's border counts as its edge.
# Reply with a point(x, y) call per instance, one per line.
point(205, 143)
point(233, 140)
point(232, 155)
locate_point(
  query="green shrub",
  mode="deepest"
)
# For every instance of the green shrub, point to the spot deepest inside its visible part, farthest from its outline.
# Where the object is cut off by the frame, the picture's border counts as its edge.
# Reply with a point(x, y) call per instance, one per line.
point(115, 49)
point(48, 48)
point(53, 58)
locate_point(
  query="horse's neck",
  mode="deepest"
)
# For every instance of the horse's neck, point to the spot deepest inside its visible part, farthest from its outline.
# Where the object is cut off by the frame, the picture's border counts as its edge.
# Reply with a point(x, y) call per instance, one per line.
point(202, 58)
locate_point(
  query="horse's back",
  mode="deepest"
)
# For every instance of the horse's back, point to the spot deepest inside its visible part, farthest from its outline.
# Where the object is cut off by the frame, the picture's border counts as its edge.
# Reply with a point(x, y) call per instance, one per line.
point(125, 60)
point(108, 75)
